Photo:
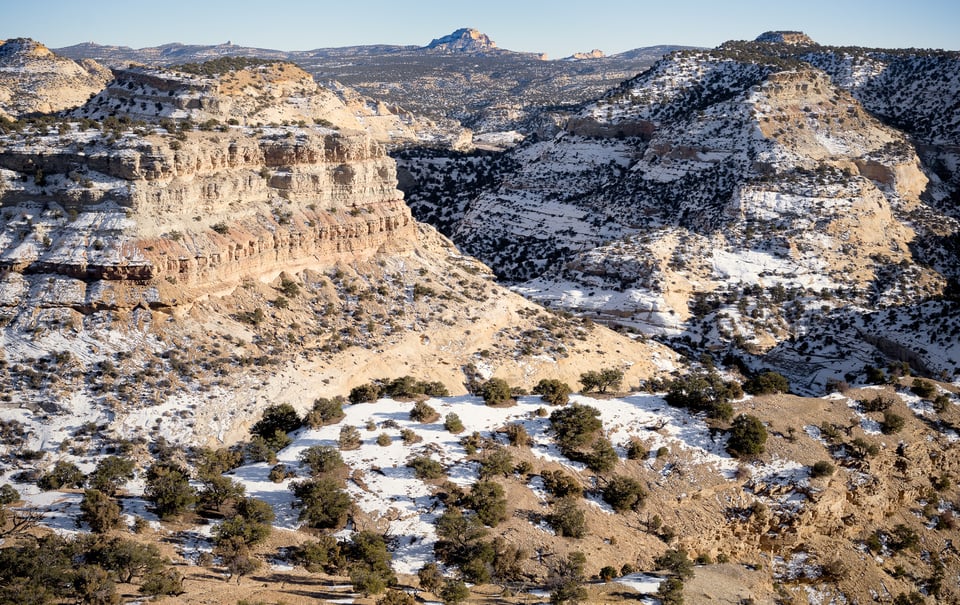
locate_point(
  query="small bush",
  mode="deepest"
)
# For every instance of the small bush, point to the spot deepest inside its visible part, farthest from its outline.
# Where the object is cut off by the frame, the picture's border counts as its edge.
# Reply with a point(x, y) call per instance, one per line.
point(423, 412)
point(495, 392)
point(64, 474)
point(488, 500)
point(561, 485)
point(766, 383)
point(322, 460)
point(747, 436)
point(497, 462)
point(608, 573)
point(891, 423)
point(349, 438)
point(409, 437)
point(822, 468)
point(426, 468)
point(607, 378)
point(602, 457)
point(624, 494)
point(636, 450)
point(923, 388)
point(676, 562)
point(383, 440)
point(325, 411)
point(453, 424)
point(568, 519)
point(517, 435)
point(365, 393)
point(553, 391)
point(99, 511)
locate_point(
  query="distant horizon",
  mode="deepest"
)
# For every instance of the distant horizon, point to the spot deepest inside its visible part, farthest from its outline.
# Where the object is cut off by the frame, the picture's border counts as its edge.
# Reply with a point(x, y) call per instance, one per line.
point(558, 29)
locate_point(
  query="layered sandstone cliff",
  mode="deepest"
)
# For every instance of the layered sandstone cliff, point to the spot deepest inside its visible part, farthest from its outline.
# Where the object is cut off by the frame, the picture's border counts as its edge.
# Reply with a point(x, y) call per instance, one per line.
point(197, 212)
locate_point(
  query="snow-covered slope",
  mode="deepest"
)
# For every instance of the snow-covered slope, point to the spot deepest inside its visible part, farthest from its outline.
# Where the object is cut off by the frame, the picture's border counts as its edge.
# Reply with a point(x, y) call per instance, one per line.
point(726, 197)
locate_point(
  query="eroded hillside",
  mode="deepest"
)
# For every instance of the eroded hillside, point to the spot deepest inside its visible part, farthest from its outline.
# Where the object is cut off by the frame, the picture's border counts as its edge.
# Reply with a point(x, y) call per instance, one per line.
point(730, 200)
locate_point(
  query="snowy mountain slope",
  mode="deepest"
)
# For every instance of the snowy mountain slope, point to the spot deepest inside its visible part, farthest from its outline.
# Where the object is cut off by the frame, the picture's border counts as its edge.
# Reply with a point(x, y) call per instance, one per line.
point(717, 181)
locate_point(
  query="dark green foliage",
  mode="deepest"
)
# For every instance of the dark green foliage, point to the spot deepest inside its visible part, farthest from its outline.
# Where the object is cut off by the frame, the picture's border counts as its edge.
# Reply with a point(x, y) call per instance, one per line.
point(624, 494)
point(454, 592)
point(875, 375)
point(63, 475)
point(219, 461)
point(423, 412)
point(879, 403)
point(453, 423)
point(111, 474)
point(321, 556)
point(487, 499)
point(861, 449)
point(941, 403)
point(167, 582)
point(602, 457)
point(704, 392)
point(396, 597)
point(561, 485)
point(553, 391)
point(322, 460)
point(8, 494)
point(349, 438)
point(767, 382)
point(276, 422)
point(324, 411)
point(607, 378)
point(517, 434)
point(409, 387)
point(218, 489)
point(567, 580)
point(168, 488)
point(258, 450)
point(370, 570)
point(676, 562)
point(747, 436)
point(128, 559)
point(280, 472)
point(365, 393)
point(497, 462)
point(427, 468)
point(455, 531)
point(222, 65)
point(607, 573)
point(430, 577)
point(99, 511)
point(495, 391)
point(923, 388)
point(636, 450)
point(94, 585)
point(323, 505)
point(822, 468)
point(891, 423)
point(575, 426)
point(409, 437)
point(251, 524)
point(670, 591)
point(568, 519)
point(911, 598)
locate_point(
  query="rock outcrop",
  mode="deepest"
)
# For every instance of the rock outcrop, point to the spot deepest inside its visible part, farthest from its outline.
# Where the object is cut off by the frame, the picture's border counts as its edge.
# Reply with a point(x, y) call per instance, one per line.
point(33, 79)
point(161, 213)
point(463, 40)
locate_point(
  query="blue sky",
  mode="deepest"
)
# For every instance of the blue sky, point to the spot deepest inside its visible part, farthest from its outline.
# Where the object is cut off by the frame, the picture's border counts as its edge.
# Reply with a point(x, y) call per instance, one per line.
point(556, 27)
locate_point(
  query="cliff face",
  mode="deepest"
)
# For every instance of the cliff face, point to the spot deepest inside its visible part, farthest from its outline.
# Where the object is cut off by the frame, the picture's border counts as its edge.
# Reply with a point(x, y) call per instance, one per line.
point(165, 219)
